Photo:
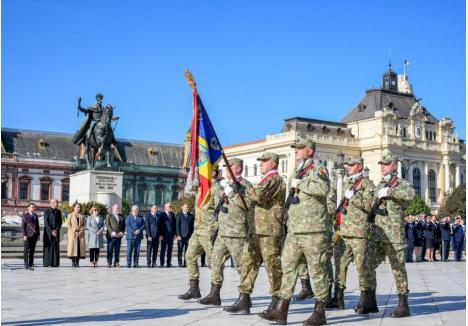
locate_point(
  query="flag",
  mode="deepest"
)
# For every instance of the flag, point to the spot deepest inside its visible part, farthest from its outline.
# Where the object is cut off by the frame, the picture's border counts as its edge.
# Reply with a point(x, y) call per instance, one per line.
point(206, 151)
point(407, 62)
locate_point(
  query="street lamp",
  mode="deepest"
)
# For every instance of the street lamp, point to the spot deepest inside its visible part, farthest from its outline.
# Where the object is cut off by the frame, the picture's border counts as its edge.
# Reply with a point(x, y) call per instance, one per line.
point(340, 156)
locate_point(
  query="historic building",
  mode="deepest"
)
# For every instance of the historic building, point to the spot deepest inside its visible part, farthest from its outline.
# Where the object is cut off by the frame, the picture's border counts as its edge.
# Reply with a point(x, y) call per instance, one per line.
point(36, 166)
point(432, 156)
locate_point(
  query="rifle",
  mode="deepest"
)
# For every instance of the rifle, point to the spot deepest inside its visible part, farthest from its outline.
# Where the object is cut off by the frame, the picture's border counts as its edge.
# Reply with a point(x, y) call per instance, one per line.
point(220, 207)
point(376, 210)
point(292, 199)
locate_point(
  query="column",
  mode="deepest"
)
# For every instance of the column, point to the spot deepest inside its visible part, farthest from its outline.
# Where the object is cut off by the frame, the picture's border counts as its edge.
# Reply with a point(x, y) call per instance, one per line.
point(457, 175)
point(410, 172)
point(447, 176)
point(339, 186)
point(399, 169)
point(425, 183)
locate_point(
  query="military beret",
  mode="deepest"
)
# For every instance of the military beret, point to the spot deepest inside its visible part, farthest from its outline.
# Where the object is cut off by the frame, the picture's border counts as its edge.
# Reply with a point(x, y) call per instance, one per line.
point(235, 160)
point(354, 160)
point(301, 143)
point(388, 157)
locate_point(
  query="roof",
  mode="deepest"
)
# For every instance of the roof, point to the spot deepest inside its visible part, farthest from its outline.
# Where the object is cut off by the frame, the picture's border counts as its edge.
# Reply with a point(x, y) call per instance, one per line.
point(315, 126)
point(54, 145)
point(378, 99)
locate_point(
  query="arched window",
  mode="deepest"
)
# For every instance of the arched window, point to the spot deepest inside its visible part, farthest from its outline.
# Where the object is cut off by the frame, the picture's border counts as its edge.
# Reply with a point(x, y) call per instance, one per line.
point(417, 181)
point(403, 172)
point(432, 186)
point(46, 188)
point(65, 189)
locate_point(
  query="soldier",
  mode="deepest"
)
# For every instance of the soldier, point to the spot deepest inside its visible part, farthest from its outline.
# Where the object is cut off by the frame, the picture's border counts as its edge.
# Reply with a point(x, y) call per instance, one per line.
point(205, 229)
point(265, 234)
point(309, 227)
point(233, 227)
point(392, 196)
point(303, 273)
point(354, 230)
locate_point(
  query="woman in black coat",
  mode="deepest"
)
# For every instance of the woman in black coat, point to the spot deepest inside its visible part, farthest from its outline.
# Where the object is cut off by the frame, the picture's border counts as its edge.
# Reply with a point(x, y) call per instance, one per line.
point(429, 235)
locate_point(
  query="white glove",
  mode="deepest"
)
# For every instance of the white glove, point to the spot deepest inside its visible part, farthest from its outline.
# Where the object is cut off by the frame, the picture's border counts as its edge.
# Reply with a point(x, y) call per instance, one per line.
point(383, 192)
point(224, 183)
point(349, 193)
point(295, 183)
point(113, 234)
point(227, 190)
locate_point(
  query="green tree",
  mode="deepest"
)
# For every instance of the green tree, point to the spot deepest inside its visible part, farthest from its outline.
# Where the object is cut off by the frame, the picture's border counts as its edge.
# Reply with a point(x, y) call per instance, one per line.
point(125, 207)
point(455, 203)
point(85, 207)
point(417, 206)
point(177, 204)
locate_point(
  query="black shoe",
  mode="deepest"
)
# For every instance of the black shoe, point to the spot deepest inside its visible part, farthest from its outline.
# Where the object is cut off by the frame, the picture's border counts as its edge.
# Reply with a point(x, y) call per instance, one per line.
point(161, 266)
point(148, 265)
point(153, 265)
point(136, 266)
point(203, 265)
point(169, 266)
point(129, 266)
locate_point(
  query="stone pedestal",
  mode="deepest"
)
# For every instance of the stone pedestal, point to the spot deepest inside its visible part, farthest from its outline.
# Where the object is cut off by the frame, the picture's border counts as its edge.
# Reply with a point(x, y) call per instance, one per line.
point(101, 186)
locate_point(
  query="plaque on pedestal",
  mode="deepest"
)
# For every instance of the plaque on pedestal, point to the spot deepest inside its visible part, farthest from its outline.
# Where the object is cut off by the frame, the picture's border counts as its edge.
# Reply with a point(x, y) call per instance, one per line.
point(101, 186)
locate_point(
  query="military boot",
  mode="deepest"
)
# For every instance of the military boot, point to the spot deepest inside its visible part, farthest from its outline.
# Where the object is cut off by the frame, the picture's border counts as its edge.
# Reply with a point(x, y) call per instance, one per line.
point(213, 298)
point(329, 303)
point(279, 313)
point(369, 304)
point(274, 301)
point(337, 301)
point(318, 317)
point(241, 305)
point(193, 292)
point(306, 291)
point(357, 307)
point(403, 309)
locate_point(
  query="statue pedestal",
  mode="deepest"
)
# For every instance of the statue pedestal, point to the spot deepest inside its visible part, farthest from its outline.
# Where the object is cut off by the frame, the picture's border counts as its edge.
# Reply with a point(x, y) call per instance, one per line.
point(101, 186)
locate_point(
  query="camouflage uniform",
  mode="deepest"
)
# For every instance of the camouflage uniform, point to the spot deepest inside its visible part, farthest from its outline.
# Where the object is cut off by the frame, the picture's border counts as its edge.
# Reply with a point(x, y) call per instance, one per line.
point(265, 233)
point(355, 232)
point(205, 228)
point(233, 227)
point(308, 233)
point(389, 230)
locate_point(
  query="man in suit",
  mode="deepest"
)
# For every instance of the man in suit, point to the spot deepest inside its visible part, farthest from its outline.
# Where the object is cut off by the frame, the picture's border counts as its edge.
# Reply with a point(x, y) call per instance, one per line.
point(458, 237)
point(153, 235)
point(445, 235)
point(419, 240)
point(437, 244)
point(410, 233)
point(184, 230)
point(30, 226)
point(168, 221)
point(51, 236)
point(135, 226)
point(115, 225)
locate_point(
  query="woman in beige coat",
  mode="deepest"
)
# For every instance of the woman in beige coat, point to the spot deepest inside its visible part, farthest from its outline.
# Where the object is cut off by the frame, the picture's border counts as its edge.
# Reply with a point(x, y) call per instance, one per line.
point(76, 247)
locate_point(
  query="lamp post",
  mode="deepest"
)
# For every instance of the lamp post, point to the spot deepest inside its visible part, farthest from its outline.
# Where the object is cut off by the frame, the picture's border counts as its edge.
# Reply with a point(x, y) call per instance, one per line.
point(339, 178)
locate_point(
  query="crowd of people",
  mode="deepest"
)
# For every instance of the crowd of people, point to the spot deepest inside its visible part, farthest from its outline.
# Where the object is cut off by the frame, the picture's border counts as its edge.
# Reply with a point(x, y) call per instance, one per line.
point(428, 234)
point(294, 235)
point(161, 230)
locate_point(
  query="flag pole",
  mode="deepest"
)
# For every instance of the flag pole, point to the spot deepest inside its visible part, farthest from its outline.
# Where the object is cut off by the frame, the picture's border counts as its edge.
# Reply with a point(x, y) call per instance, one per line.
point(193, 85)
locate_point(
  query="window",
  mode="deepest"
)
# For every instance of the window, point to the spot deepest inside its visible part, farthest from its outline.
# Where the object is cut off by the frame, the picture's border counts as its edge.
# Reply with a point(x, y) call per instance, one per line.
point(142, 193)
point(159, 195)
point(255, 170)
point(5, 189)
point(462, 178)
point(404, 133)
point(417, 181)
point(418, 132)
point(24, 190)
point(65, 190)
point(403, 172)
point(432, 186)
point(427, 135)
point(175, 195)
point(435, 136)
point(246, 171)
point(46, 172)
point(45, 191)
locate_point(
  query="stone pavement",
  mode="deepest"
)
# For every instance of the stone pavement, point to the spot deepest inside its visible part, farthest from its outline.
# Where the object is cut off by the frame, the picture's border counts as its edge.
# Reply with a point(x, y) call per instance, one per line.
point(101, 296)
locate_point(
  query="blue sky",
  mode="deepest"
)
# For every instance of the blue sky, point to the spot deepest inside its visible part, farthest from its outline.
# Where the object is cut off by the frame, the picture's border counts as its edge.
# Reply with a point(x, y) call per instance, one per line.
point(255, 62)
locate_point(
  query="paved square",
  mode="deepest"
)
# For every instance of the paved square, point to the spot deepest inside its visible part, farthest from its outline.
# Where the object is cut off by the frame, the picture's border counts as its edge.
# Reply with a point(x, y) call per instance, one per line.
point(144, 296)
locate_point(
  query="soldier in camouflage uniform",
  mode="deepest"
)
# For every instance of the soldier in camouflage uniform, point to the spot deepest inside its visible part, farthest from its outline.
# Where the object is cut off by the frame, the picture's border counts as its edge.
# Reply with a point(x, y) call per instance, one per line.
point(308, 234)
point(392, 195)
point(265, 233)
point(303, 273)
point(200, 242)
point(233, 227)
point(355, 230)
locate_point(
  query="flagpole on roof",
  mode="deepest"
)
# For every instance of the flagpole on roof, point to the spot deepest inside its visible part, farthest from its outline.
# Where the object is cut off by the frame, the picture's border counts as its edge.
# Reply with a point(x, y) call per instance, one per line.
point(193, 85)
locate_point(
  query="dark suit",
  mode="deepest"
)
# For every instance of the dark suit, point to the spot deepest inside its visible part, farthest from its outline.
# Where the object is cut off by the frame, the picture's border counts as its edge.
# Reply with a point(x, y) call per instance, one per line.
point(114, 226)
point(410, 234)
point(134, 224)
point(437, 245)
point(30, 225)
point(168, 223)
point(153, 230)
point(184, 230)
point(458, 237)
point(445, 235)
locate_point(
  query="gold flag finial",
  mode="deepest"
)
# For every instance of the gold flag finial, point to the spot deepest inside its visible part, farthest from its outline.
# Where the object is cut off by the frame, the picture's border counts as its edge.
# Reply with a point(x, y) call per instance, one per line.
point(189, 78)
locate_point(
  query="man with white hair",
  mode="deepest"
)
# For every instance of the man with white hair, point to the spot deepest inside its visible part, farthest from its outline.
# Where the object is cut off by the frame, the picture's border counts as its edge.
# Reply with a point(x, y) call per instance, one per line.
point(135, 226)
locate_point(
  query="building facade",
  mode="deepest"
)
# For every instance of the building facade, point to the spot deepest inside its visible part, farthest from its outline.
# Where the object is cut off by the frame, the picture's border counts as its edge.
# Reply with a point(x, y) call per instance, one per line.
point(433, 158)
point(36, 167)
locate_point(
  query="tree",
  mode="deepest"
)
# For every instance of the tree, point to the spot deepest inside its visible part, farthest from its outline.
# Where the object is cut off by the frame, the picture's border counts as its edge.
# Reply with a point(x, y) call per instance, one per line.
point(85, 207)
point(455, 203)
point(417, 206)
point(177, 204)
point(125, 207)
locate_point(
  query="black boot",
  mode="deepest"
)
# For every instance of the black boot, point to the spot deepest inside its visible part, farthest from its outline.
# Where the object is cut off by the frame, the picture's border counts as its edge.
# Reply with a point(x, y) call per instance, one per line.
point(241, 305)
point(329, 303)
point(369, 304)
point(403, 309)
point(306, 291)
point(357, 307)
point(318, 317)
point(274, 301)
point(279, 313)
point(337, 301)
point(193, 292)
point(213, 298)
